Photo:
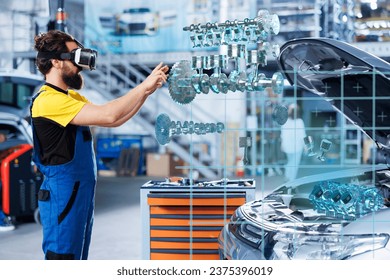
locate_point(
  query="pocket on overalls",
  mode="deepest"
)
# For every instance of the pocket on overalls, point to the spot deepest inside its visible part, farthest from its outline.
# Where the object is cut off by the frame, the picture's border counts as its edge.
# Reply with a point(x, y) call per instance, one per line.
point(70, 202)
point(44, 204)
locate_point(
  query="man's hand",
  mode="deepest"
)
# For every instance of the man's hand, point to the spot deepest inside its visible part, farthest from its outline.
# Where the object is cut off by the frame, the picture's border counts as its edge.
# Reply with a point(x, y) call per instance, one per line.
point(156, 79)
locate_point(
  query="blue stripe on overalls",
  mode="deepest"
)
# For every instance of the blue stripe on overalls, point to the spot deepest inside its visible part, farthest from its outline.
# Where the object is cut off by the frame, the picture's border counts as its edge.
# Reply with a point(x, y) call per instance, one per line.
point(66, 199)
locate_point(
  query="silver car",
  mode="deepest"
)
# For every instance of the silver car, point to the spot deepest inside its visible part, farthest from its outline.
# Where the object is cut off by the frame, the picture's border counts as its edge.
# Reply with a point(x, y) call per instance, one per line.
point(16, 90)
point(20, 177)
point(335, 215)
point(137, 21)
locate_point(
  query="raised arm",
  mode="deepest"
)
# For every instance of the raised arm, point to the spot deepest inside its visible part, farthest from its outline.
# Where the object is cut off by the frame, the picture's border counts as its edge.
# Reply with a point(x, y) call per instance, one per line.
point(120, 110)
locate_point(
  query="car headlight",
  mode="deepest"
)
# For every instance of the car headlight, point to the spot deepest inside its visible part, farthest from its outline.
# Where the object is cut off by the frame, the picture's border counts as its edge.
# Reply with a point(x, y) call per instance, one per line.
point(245, 232)
point(301, 245)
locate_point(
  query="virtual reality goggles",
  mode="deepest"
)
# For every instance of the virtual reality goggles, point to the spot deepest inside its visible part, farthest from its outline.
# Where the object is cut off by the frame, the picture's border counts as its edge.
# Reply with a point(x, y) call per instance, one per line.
point(85, 58)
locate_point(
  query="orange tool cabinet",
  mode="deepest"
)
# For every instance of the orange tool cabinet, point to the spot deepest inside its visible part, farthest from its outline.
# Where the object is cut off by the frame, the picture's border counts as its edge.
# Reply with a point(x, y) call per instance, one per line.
point(182, 221)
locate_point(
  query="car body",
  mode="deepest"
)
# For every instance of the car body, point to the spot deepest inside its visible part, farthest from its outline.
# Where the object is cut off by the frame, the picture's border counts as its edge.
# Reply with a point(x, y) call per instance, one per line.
point(137, 21)
point(17, 168)
point(17, 129)
point(16, 90)
point(335, 215)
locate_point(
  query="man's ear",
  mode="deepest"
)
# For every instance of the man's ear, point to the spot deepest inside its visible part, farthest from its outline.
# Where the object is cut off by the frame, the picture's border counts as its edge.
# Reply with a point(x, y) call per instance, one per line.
point(56, 63)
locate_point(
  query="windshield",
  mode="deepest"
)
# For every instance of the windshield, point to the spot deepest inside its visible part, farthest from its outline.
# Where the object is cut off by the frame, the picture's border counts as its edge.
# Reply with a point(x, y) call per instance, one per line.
point(17, 91)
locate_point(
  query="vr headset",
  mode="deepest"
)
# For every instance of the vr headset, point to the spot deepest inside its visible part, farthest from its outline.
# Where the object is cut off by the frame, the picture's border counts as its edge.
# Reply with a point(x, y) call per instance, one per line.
point(85, 58)
point(82, 57)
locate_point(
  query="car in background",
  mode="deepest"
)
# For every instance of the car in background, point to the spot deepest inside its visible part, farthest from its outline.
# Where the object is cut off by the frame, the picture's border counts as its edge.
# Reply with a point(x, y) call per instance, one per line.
point(137, 21)
point(16, 90)
point(330, 216)
point(19, 177)
point(16, 129)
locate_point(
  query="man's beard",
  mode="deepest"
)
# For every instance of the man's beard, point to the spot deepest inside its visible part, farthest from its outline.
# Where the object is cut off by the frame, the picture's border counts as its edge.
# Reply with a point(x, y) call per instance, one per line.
point(74, 81)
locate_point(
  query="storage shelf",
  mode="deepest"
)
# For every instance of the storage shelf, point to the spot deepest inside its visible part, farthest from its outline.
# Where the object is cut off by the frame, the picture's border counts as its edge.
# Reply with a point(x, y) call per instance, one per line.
point(380, 49)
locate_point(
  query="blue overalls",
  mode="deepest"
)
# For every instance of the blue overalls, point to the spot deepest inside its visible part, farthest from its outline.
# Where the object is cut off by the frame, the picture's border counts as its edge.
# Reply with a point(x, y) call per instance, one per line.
point(66, 199)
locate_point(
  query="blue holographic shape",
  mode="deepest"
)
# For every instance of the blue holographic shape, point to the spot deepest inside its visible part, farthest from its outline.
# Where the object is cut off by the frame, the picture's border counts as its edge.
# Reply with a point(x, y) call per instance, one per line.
point(347, 201)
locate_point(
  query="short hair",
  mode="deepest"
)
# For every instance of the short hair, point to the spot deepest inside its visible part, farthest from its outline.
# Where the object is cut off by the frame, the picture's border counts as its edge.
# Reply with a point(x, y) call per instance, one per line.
point(52, 41)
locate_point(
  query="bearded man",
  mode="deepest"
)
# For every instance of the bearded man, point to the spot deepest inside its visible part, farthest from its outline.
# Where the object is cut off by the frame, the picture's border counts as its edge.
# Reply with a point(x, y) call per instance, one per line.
point(63, 146)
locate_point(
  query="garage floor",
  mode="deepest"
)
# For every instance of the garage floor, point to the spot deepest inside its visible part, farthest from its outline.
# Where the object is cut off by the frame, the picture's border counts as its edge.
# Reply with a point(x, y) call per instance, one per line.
point(117, 229)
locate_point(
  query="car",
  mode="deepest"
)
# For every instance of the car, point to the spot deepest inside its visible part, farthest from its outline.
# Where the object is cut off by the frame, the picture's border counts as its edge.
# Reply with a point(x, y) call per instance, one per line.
point(16, 129)
point(16, 89)
point(339, 215)
point(137, 21)
point(20, 178)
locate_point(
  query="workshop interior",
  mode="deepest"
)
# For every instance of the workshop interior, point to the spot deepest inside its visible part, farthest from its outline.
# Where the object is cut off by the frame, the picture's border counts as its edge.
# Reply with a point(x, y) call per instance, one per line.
point(270, 139)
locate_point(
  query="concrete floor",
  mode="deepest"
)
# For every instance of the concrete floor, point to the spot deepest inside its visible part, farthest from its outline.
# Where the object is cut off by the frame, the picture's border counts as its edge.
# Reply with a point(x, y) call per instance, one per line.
point(117, 229)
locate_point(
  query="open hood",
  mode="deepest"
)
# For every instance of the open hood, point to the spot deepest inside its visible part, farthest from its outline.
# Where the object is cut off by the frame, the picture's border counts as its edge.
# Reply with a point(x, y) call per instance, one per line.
point(355, 82)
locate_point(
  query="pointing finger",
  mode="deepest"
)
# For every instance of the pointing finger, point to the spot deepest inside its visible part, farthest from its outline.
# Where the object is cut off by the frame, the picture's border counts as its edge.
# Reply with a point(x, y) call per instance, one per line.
point(158, 67)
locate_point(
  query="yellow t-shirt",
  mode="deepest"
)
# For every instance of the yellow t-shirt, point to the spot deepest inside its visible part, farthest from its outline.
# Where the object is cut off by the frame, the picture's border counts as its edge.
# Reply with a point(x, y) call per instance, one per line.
point(52, 111)
point(58, 106)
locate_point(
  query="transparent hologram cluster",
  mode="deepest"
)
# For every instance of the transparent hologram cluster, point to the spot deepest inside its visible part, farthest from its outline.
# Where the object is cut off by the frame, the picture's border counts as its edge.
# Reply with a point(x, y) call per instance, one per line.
point(245, 142)
point(165, 128)
point(180, 84)
point(324, 147)
point(280, 114)
point(309, 145)
point(249, 30)
point(187, 78)
point(346, 201)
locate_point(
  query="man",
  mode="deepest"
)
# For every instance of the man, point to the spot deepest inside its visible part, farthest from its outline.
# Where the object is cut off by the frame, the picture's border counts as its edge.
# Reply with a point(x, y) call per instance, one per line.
point(63, 148)
point(292, 134)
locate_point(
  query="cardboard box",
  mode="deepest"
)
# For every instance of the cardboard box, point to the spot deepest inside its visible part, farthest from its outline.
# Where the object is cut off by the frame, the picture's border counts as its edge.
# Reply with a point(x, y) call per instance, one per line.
point(163, 165)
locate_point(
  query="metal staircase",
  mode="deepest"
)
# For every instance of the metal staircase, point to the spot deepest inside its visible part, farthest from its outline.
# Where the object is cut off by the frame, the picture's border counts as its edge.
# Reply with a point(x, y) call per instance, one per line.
point(116, 75)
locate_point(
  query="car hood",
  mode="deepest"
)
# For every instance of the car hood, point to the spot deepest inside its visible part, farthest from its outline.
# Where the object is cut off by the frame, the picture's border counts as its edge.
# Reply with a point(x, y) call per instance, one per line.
point(355, 82)
point(8, 117)
point(7, 110)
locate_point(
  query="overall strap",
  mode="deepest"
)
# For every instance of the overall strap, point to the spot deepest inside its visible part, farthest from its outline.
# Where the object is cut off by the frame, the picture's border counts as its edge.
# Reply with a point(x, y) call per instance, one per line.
point(32, 100)
point(36, 149)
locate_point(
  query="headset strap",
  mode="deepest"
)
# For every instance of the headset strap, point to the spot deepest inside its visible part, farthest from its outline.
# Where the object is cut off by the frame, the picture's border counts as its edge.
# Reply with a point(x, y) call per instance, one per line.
point(49, 55)
point(54, 55)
